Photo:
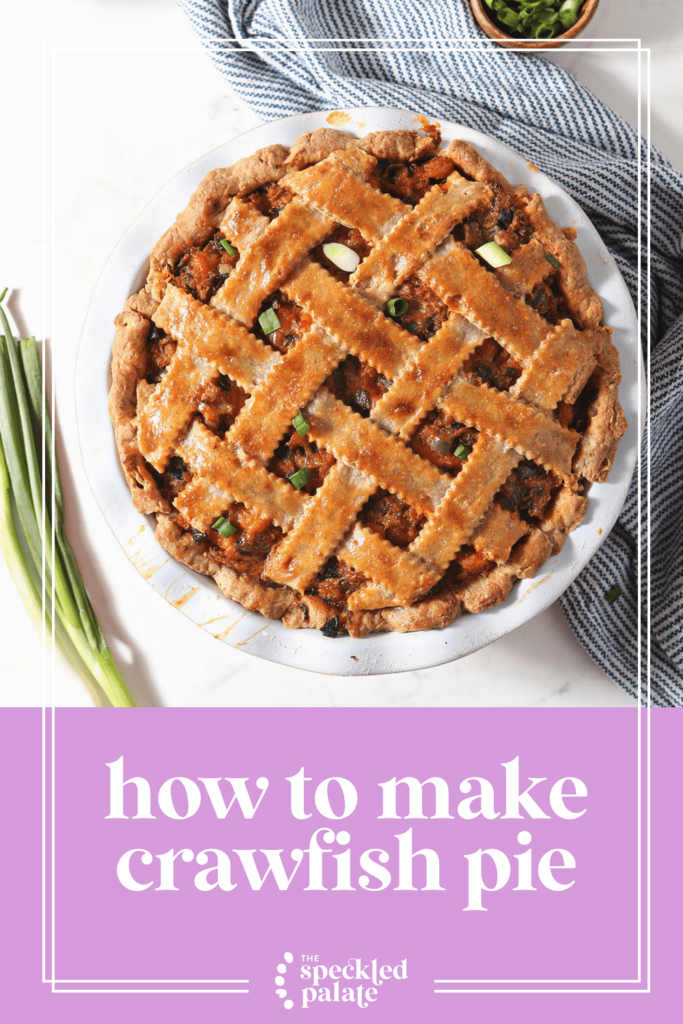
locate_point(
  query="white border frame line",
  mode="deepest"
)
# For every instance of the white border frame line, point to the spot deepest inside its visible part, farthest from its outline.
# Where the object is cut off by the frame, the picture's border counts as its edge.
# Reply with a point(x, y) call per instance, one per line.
point(649, 534)
point(53, 980)
point(642, 52)
point(235, 47)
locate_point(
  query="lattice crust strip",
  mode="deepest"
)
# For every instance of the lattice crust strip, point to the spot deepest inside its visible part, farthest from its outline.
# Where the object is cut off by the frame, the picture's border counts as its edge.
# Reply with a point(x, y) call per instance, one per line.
point(384, 460)
point(326, 518)
point(461, 510)
point(338, 188)
point(425, 378)
point(279, 397)
point(529, 268)
point(556, 362)
point(498, 533)
point(561, 367)
point(351, 319)
point(272, 257)
point(221, 477)
point(208, 344)
point(511, 421)
point(468, 288)
point(411, 242)
point(402, 572)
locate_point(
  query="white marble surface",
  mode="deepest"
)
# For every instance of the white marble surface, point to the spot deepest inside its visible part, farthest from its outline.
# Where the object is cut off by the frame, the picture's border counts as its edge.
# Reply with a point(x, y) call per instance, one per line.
point(125, 122)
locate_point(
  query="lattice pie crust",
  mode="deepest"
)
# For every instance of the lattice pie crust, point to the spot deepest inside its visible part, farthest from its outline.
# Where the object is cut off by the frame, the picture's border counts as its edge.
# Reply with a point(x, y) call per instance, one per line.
point(459, 531)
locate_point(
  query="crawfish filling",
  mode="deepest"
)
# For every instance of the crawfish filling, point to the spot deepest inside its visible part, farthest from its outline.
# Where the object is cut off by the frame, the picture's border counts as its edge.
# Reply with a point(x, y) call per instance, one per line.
point(467, 566)
point(528, 490)
point(203, 269)
point(410, 182)
point(502, 221)
point(294, 453)
point(491, 364)
point(270, 200)
point(439, 437)
point(425, 314)
point(160, 352)
point(549, 302)
point(357, 384)
point(579, 415)
point(174, 478)
point(219, 403)
point(294, 321)
point(392, 518)
point(335, 582)
point(247, 549)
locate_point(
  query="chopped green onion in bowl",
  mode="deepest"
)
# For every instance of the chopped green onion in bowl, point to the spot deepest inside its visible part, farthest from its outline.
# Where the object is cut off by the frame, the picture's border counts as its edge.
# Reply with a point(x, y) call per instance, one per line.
point(342, 256)
point(397, 306)
point(535, 19)
point(224, 527)
point(300, 478)
point(569, 13)
point(493, 254)
point(269, 321)
point(300, 425)
point(228, 248)
point(462, 451)
point(552, 259)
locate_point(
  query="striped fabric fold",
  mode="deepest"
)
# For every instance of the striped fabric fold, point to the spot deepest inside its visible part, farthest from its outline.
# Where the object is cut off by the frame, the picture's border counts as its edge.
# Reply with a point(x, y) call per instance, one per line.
point(285, 57)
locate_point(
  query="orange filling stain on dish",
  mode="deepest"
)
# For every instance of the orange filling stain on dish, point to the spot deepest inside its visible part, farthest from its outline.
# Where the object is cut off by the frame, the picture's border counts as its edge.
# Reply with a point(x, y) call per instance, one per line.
point(180, 602)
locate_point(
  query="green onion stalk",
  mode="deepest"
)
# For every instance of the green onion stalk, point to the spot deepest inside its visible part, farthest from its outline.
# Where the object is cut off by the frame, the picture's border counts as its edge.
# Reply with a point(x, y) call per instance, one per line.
point(33, 541)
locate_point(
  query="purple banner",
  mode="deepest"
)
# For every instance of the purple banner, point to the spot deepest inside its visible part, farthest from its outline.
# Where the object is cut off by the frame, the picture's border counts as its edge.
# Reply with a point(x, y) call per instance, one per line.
point(259, 862)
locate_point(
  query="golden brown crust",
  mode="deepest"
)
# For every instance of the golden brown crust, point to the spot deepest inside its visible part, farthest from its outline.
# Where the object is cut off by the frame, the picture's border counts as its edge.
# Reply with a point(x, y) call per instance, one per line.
point(179, 543)
point(582, 301)
point(565, 514)
point(607, 423)
point(509, 428)
point(128, 367)
point(312, 147)
point(201, 218)
point(473, 164)
point(399, 146)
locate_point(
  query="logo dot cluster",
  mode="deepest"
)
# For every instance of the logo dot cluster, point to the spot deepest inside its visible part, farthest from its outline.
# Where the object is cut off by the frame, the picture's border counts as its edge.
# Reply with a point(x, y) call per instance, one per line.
point(280, 980)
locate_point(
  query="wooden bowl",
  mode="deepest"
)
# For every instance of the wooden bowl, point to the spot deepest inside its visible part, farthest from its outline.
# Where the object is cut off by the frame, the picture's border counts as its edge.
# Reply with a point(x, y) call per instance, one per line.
point(482, 12)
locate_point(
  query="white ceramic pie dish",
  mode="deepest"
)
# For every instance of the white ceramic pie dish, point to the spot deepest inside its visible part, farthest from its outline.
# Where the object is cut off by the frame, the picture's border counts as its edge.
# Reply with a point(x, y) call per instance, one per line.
point(196, 595)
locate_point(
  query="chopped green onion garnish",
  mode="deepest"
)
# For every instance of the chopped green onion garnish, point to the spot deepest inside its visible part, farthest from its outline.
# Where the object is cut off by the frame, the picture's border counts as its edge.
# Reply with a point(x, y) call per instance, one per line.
point(300, 478)
point(442, 447)
point(300, 425)
point(224, 527)
point(462, 451)
point(493, 254)
point(551, 259)
point(613, 594)
point(228, 248)
point(397, 307)
point(342, 257)
point(269, 321)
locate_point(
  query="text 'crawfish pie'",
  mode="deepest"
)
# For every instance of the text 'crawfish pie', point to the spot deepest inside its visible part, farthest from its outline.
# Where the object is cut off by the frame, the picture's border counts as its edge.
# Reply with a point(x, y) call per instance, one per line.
point(365, 383)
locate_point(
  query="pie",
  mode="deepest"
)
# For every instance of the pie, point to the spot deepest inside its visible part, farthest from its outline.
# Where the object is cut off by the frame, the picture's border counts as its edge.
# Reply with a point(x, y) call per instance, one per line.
point(338, 406)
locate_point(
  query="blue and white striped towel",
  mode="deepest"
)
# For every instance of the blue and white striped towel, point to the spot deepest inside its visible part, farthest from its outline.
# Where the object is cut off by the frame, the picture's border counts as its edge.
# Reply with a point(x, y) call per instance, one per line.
point(288, 56)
